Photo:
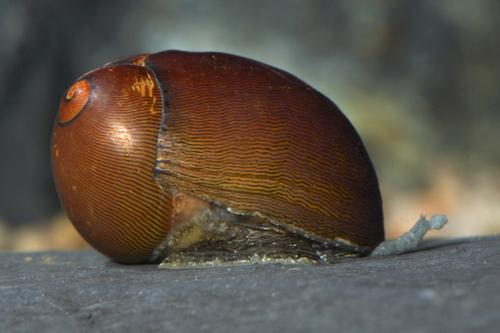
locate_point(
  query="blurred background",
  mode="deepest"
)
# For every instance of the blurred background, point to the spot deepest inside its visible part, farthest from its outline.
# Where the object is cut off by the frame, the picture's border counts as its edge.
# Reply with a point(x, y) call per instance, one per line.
point(418, 79)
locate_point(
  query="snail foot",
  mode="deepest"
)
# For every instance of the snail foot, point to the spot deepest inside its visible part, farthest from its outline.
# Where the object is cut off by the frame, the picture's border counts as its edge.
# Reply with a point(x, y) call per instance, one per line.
point(207, 235)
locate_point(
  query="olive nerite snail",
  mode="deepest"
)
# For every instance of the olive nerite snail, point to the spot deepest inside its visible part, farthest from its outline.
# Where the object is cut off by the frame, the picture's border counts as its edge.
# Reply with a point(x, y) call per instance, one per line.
point(209, 159)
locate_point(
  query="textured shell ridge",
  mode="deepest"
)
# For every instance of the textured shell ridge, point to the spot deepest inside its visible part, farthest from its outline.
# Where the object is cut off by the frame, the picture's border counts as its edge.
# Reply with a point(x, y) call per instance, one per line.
point(205, 141)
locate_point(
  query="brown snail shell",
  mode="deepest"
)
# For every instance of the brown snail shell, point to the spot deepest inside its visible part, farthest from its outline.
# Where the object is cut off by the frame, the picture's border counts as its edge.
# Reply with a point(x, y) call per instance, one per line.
point(148, 146)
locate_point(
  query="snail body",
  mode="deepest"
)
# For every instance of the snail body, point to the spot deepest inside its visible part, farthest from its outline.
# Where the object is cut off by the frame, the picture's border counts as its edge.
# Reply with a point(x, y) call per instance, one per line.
point(209, 158)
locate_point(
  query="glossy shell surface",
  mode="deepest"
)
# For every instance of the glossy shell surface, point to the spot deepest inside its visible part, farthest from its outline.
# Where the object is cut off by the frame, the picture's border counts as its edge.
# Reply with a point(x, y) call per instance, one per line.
point(246, 136)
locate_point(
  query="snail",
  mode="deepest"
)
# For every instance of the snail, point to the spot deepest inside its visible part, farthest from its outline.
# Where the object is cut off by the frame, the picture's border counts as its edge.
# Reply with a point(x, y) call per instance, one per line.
point(206, 159)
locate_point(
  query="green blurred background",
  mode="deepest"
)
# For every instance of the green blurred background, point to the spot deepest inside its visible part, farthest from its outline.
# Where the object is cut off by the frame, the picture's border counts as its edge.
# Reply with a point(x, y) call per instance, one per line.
point(418, 79)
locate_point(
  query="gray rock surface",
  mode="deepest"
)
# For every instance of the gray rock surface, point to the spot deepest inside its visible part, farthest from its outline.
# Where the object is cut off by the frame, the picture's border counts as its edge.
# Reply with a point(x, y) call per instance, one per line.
point(446, 286)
